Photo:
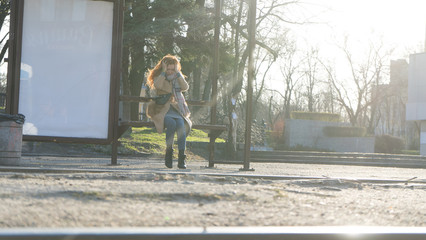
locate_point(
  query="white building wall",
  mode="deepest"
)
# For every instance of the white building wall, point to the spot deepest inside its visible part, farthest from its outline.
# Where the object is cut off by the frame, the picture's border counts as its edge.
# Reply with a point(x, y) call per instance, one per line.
point(309, 133)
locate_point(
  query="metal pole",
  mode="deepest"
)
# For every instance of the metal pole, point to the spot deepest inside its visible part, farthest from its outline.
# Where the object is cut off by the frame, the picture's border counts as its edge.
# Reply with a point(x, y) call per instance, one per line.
point(14, 58)
point(117, 78)
point(213, 119)
point(250, 73)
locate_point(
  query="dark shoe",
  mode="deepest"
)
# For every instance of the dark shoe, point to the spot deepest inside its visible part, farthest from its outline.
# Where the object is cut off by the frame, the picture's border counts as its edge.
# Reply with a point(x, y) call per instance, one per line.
point(169, 158)
point(181, 160)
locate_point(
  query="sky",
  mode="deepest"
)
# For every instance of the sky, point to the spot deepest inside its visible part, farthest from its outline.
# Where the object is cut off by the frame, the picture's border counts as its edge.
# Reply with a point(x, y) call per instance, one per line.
point(401, 23)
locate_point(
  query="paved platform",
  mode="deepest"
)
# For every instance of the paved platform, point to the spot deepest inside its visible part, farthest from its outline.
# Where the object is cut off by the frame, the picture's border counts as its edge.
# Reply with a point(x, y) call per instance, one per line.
point(68, 165)
point(73, 164)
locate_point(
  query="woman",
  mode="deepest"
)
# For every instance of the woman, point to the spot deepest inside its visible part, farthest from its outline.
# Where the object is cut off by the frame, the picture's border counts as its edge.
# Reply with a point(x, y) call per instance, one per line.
point(172, 114)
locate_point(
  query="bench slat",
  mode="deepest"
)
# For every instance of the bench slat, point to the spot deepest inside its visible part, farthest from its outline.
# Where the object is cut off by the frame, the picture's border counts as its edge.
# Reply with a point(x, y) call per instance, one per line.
point(195, 126)
point(126, 98)
point(136, 124)
point(210, 127)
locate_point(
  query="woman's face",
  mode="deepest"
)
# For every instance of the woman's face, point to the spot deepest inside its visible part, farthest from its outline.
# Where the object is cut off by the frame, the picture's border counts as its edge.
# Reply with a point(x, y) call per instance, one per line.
point(170, 69)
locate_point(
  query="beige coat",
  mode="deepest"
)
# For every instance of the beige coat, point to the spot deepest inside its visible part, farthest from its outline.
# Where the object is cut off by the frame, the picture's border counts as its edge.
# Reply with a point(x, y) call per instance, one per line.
point(157, 112)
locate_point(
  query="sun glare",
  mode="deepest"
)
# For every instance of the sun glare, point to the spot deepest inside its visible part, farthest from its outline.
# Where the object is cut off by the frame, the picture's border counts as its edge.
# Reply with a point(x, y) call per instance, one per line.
point(401, 23)
point(397, 25)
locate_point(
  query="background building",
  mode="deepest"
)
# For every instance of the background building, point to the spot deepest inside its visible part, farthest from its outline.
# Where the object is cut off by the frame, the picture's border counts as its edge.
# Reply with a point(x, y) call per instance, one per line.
point(389, 110)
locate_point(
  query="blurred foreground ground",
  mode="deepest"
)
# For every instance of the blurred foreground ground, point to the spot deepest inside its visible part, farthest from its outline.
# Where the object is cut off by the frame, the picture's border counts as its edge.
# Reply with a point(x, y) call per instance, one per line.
point(87, 192)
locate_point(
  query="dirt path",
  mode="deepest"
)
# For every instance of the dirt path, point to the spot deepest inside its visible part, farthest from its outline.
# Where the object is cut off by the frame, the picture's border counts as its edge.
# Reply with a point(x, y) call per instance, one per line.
point(157, 199)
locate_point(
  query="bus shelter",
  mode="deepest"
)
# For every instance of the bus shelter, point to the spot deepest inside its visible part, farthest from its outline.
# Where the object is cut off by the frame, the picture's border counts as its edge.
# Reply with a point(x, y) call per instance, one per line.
point(64, 70)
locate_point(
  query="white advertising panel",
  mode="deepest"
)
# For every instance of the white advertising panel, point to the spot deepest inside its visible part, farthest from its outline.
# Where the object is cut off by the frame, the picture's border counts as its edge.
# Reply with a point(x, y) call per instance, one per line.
point(416, 103)
point(66, 68)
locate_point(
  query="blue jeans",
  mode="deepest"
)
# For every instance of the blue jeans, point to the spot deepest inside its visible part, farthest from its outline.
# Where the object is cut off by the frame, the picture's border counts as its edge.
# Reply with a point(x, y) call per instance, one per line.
point(173, 125)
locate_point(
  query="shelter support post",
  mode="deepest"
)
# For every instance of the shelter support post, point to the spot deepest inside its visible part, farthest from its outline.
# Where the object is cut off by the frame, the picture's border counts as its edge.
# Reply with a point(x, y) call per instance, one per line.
point(423, 137)
point(114, 152)
point(250, 73)
point(117, 130)
point(213, 135)
point(213, 117)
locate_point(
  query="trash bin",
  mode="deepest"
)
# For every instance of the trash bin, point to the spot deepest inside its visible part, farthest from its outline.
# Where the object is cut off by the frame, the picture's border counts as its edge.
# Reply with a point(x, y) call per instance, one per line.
point(11, 139)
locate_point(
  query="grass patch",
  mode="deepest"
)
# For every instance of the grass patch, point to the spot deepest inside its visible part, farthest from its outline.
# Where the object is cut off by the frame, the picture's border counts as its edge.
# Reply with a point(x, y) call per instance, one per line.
point(142, 140)
point(147, 140)
point(197, 135)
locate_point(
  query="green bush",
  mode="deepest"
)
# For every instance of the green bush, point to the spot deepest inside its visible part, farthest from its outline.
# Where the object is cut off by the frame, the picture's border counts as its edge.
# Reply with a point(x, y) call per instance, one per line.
point(301, 148)
point(388, 144)
point(275, 139)
point(336, 131)
point(325, 117)
point(411, 152)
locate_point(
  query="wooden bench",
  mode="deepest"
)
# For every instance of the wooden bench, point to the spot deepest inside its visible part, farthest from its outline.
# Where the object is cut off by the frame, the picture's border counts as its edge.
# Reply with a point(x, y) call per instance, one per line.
point(214, 129)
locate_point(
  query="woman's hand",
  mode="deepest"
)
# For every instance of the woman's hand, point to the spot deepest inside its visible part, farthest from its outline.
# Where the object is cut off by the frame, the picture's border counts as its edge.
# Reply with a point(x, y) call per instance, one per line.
point(163, 66)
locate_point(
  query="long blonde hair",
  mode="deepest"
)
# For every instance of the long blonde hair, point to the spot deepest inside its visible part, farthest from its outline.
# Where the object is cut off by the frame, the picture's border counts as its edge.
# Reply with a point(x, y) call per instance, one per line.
point(168, 60)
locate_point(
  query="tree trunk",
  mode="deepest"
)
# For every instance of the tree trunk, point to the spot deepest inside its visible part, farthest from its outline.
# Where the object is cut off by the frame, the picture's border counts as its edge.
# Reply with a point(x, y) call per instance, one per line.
point(208, 85)
point(4, 12)
point(196, 85)
point(125, 82)
point(233, 96)
point(135, 53)
point(136, 78)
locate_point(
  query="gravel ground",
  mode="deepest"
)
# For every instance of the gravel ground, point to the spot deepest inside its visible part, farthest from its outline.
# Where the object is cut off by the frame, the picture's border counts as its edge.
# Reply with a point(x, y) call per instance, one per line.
point(150, 195)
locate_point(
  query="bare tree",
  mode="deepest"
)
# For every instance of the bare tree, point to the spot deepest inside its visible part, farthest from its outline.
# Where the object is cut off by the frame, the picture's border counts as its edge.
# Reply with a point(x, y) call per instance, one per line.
point(354, 92)
point(4, 43)
point(4, 12)
point(310, 73)
point(267, 29)
point(290, 76)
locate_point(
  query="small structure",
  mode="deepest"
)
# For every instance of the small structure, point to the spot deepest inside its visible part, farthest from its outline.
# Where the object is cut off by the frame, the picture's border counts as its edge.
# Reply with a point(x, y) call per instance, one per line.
point(64, 71)
point(310, 134)
point(416, 104)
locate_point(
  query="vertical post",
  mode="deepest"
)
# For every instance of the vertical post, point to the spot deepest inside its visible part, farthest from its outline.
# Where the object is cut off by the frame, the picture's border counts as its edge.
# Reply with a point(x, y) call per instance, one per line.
point(117, 78)
point(14, 56)
point(217, 5)
point(250, 74)
point(11, 56)
point(422, 137)
point(114, 151)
